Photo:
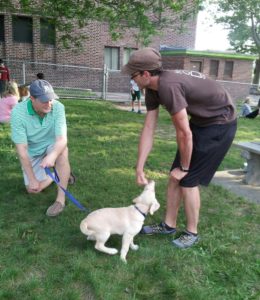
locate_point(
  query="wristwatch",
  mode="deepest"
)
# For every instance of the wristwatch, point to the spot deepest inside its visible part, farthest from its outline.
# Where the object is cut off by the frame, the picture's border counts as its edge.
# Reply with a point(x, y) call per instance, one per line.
point(184, 169)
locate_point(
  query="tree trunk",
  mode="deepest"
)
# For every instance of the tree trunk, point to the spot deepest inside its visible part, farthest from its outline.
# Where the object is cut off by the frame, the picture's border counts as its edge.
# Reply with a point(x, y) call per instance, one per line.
point(257, 72)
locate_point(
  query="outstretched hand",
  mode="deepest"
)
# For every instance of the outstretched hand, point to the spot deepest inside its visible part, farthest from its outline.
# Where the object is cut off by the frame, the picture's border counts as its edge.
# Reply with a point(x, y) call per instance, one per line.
point(141, 178)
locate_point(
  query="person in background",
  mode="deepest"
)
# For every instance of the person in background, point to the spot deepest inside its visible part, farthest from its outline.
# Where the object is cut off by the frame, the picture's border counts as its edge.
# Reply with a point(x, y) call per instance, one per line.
point(23, 92)
point(4, 77)
point(39, 131)
point(40, 75)
point(246, 110)
point(204, 120)
point(136, 94)
point(9, 100)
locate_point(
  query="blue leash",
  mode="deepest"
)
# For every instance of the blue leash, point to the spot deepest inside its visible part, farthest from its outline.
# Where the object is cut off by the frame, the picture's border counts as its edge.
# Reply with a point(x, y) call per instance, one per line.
point(56, 179)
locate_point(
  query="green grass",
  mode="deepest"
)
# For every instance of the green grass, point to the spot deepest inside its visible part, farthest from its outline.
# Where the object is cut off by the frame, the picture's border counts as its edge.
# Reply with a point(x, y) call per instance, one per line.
point(75, 93)
point(48, 258)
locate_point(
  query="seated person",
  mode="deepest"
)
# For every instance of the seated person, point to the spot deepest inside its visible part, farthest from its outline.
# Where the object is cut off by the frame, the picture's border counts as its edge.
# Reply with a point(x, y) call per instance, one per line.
point(9, 100)
point(39, 131)
point(246, 110)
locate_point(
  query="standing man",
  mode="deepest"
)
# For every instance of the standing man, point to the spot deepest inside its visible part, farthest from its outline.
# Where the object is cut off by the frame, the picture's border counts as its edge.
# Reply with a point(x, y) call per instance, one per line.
point(4, 77)
point(39, 131)
point(204, 118)
point(136, 94)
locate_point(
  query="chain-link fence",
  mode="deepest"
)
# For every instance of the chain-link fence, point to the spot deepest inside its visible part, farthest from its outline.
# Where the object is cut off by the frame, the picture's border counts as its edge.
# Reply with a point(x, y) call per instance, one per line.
point(95, 83)
point(68, 80)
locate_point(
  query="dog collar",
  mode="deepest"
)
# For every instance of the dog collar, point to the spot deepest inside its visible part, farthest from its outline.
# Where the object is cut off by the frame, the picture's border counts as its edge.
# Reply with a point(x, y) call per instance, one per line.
point(143, 214)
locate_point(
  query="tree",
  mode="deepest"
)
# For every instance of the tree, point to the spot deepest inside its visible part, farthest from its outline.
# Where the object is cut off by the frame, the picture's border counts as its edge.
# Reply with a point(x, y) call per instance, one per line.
point(242, 18)
point(146, 16)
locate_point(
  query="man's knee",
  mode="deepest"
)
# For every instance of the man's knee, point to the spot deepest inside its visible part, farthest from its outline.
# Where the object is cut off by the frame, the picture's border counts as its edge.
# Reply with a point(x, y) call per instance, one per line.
point(173, 182)
point(64, 155)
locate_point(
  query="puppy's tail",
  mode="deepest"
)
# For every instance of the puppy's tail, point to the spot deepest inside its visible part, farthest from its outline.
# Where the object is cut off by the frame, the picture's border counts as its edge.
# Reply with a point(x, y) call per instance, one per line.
point(84, 227)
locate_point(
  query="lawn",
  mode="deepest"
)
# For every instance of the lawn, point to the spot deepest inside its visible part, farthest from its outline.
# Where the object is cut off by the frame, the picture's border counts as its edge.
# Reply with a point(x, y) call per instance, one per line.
point(48, 258)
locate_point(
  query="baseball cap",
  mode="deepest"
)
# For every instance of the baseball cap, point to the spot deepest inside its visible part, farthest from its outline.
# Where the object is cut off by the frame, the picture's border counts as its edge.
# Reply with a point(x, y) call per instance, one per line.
point(146, 59)
point(42, 90)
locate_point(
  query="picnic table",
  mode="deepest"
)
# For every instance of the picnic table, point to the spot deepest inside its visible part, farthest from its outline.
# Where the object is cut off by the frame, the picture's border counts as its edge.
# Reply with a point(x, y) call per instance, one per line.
point(251, 152)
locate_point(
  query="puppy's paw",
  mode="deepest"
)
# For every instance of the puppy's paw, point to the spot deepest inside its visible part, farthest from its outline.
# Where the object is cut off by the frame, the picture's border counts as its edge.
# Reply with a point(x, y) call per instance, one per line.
point(112, 251)
point(123, 259)
point(134, 247)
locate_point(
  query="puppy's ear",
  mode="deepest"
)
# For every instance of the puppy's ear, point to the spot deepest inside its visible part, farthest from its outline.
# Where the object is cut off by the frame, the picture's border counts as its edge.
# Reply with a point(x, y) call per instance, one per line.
point(154, 207)
point(137, 199)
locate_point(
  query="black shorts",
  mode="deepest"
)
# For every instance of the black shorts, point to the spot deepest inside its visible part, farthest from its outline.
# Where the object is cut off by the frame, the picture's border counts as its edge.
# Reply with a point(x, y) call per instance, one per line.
point(210, 145)
point(136, 95)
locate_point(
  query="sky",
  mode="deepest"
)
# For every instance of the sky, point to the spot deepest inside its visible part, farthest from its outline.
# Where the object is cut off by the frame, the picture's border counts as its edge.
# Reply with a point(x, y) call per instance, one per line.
point(210, 36)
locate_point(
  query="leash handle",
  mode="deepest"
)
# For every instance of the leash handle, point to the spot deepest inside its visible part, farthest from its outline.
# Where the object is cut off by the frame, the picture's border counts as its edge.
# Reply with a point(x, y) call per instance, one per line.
point(56, 179)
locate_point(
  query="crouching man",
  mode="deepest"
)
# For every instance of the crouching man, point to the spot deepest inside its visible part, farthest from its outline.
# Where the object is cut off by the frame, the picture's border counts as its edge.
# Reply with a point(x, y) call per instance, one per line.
point(39, 131)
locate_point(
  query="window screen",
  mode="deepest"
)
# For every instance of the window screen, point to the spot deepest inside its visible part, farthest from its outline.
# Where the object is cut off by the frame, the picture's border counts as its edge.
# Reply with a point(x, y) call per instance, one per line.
point(196, 65)
point(2, 28)
point(213, 69)
point(127, 53)
point(228, 70)
point(47, 32)
point(22, 29)
point(112, 58)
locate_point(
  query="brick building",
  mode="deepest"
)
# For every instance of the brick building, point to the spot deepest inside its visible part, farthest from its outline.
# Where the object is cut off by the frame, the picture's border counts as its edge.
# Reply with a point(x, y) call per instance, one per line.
point(24, 37)
point(233, 70)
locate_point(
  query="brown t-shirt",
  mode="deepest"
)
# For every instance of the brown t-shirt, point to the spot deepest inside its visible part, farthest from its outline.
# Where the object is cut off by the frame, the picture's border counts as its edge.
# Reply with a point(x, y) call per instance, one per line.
point(205, 100)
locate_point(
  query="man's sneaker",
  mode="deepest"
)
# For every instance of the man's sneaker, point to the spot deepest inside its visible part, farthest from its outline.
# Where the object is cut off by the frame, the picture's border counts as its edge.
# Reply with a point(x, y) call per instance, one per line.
point(139, 111)
point(72, 178)
point(55, 209)
point(186, 240)
point(155, 229)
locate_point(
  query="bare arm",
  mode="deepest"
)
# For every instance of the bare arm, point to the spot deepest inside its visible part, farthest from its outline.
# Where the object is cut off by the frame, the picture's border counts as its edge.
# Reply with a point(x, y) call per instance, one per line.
point(59, 146)
point(145, 144)
point(184, 141)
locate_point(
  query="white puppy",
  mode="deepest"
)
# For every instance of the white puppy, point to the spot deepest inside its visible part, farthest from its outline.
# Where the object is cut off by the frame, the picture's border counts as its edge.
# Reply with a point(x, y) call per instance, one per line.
point(126, 221)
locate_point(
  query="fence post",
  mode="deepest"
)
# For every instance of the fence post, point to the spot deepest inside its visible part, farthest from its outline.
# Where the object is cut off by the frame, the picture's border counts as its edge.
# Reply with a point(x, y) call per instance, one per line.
point(104, 88)
point(24, 79)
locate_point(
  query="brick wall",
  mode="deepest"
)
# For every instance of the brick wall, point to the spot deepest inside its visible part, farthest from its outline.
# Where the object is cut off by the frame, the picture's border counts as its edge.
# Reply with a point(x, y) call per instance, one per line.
point(92, 52)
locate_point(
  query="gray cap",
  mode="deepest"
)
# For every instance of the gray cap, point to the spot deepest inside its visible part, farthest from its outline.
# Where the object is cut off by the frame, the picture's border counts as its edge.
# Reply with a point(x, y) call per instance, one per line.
point(146, 59)
point(42, 90)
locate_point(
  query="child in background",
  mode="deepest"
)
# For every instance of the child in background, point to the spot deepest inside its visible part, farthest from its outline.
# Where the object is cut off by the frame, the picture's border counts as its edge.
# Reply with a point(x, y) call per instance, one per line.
point(136, 94)
point(9, 100)
point(23, 93)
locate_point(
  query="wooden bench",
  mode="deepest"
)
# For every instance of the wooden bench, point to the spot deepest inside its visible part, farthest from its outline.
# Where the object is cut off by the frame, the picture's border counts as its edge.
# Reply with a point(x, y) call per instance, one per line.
point(251, 152)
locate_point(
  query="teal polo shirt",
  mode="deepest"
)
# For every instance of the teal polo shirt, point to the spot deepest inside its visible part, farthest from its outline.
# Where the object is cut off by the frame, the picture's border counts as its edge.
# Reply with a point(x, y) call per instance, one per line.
point(27, 127)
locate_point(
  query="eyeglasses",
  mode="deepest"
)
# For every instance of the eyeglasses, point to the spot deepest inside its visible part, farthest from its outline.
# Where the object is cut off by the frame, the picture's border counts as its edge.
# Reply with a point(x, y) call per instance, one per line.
point(135, 74)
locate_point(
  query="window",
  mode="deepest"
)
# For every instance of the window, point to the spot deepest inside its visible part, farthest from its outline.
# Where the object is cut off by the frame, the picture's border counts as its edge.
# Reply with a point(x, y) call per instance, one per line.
point(2, 28)
point(48, 35)
point(213, 68)
point(112, 58)
point(196, 65)
point(228, 70)
point(127, 54)
point(22, 29)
